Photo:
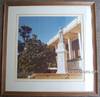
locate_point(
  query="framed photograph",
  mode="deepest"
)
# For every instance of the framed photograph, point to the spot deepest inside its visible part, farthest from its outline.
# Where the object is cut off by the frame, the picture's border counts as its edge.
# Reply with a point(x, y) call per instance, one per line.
point(49, 49)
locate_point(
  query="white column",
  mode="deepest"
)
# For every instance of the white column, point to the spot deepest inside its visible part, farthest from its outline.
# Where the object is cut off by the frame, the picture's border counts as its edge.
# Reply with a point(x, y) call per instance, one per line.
point(70, 49)
point(74, 55)
point(80, 49)
point(61, 56)
point(80, 44)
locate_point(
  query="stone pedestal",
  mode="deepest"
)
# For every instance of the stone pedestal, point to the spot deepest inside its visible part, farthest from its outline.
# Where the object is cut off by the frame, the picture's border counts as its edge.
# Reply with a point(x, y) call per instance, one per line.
point(61, 56)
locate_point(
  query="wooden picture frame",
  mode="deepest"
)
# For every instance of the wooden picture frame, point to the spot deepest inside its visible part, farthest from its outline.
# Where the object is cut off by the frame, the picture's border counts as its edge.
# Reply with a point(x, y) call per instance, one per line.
point(34, 85)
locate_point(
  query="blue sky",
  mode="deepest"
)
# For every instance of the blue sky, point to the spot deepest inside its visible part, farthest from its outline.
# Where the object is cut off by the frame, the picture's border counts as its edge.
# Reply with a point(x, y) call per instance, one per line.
point(45, 27)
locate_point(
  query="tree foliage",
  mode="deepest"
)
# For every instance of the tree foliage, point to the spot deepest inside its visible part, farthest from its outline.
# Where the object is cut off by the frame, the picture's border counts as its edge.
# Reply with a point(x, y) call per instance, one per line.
point(36, 57)
point(24, 32)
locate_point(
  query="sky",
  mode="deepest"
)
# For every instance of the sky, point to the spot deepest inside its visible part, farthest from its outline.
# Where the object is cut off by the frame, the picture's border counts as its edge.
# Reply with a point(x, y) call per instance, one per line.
point(45, 27)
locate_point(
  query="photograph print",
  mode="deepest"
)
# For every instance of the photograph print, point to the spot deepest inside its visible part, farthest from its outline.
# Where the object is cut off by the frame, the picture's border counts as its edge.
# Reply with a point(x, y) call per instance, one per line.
point(50, 47)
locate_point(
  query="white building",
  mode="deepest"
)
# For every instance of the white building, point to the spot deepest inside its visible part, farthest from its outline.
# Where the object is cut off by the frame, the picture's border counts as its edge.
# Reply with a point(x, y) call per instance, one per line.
point(68, 46)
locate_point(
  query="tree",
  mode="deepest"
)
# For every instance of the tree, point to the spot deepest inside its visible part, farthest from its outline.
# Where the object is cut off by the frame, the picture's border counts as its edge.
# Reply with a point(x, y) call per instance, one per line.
point(24, 32)
point(35, 58)
point(20, 46)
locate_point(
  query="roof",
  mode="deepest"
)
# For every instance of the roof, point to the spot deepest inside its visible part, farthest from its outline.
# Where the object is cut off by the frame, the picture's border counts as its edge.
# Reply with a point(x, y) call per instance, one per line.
point(66, 29)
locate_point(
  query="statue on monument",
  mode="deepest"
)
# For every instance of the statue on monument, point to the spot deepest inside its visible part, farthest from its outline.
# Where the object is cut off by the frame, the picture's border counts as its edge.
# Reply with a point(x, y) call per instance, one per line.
point(61, 36)
point(61, 39)
point(61, 54)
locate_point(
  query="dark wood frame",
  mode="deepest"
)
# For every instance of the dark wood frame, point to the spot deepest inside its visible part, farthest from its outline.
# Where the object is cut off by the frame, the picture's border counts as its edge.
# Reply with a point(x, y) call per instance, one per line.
point(4, 43)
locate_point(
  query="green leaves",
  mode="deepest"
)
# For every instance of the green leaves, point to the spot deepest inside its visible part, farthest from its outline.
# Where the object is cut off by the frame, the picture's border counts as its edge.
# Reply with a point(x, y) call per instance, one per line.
point(36, 57)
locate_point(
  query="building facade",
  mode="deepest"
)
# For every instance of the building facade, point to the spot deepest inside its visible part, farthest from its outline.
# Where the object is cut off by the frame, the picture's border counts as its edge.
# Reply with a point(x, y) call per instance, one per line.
point(68, 47)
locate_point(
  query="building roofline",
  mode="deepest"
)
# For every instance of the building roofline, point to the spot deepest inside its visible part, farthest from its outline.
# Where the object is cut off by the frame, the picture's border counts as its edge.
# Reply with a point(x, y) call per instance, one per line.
point(66, 29)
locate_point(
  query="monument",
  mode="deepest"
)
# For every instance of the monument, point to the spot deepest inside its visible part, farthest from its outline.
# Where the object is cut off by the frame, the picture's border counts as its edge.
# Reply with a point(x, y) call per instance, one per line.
point(61, 55)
